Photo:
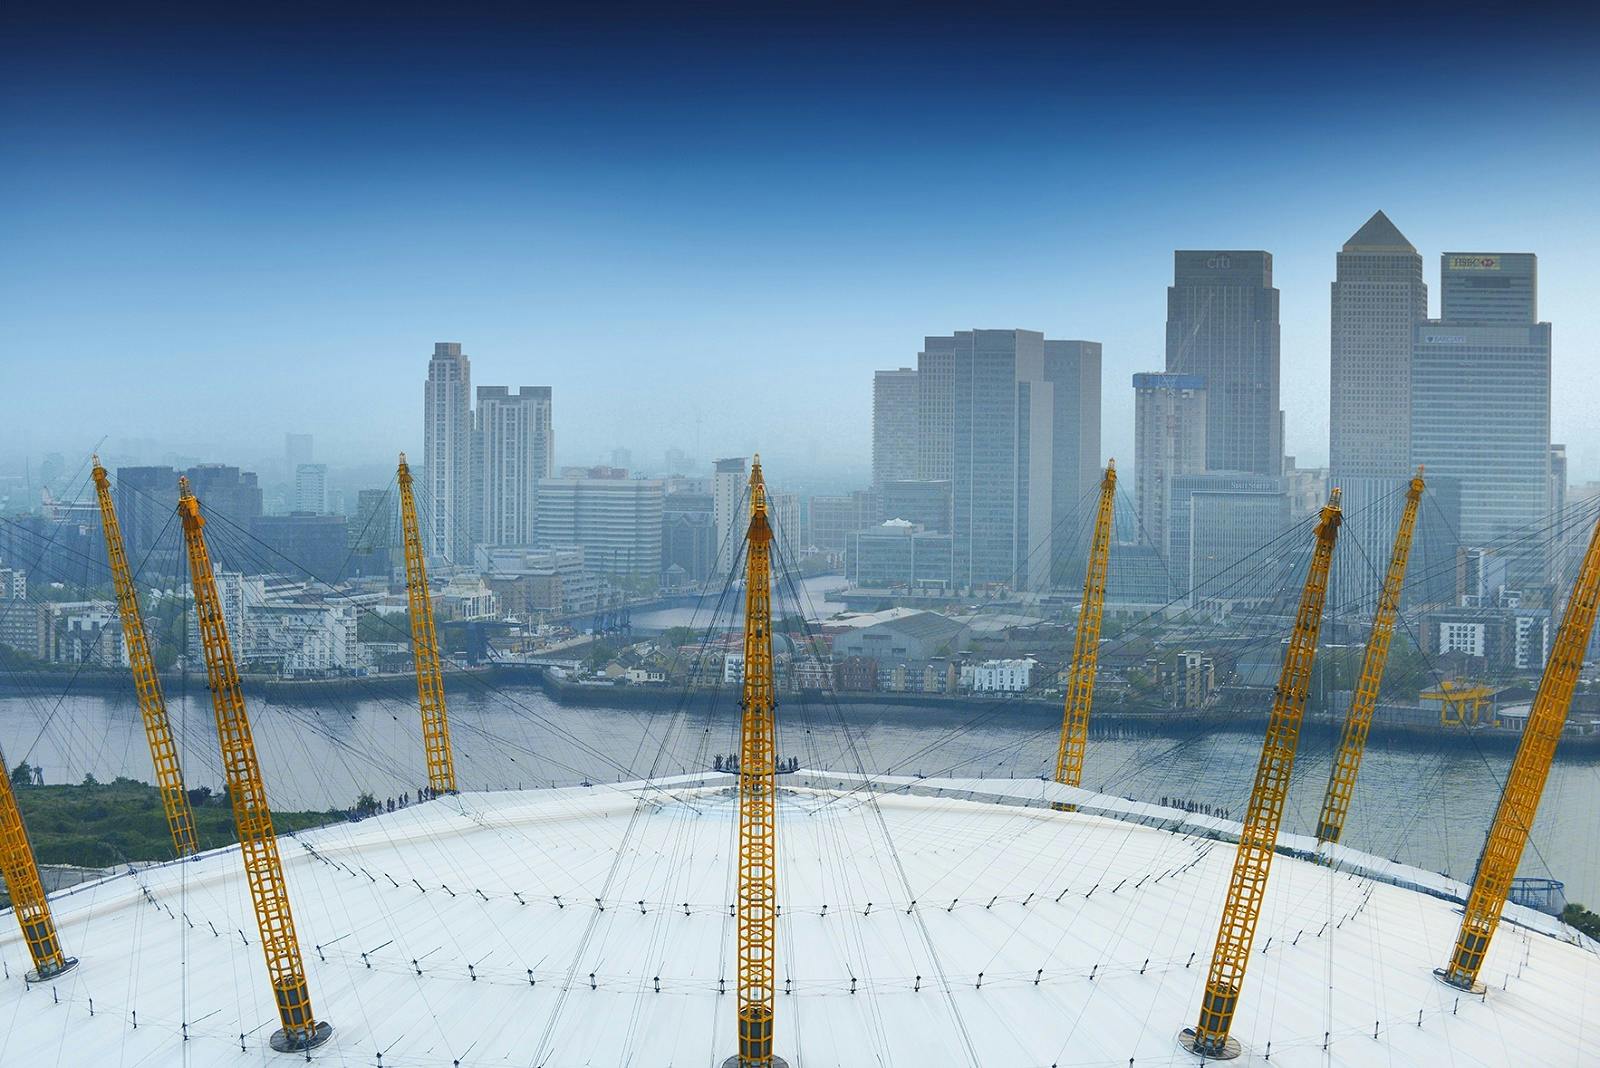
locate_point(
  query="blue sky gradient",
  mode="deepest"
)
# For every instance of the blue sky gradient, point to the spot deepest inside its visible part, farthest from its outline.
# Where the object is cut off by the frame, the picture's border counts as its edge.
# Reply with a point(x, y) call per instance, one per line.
point(712, 230)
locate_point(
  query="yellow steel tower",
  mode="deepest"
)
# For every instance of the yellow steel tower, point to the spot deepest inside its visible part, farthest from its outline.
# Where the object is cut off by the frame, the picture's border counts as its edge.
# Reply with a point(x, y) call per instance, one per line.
point(1258, 837)
point(1358, 721)
point(27, 893)
point(1086, 645)
point(146, 683)
point(1520, 800)
point(425, 647)
point(758, 890)
point(257, 843)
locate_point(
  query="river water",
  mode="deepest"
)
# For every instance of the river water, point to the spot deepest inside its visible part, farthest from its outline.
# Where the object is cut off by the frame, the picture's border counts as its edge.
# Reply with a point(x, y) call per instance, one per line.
point(1422, 805)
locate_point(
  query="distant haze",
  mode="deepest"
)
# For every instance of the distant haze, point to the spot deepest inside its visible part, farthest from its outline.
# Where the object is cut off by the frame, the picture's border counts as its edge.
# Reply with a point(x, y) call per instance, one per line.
point(707, 236)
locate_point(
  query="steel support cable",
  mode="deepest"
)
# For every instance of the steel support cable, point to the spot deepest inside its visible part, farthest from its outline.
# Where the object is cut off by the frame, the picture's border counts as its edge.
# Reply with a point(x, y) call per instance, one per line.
point(477, 680)
point(543, 1048)
point(1006, 704)
point(47, 719)
point(830, 834)
point(905, 881)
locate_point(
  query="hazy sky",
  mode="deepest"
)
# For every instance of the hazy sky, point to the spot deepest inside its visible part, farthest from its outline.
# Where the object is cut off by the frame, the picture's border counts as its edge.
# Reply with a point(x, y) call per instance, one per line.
point(214, 233)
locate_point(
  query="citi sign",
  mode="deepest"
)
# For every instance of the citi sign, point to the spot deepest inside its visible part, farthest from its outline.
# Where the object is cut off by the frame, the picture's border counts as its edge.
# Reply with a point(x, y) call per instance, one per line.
point(1219, 263)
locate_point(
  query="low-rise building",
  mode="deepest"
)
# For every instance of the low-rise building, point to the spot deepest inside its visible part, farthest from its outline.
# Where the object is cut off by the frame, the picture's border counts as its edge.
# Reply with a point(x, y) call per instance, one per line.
point(1003, 676)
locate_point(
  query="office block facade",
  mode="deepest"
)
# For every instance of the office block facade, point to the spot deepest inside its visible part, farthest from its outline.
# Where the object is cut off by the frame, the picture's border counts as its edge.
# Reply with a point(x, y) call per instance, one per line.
point(1222, 324)
point(894, 425)
point(1169, 427)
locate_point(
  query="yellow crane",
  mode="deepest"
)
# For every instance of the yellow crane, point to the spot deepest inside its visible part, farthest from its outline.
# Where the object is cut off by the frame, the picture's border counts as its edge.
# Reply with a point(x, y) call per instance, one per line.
point(258, 845)
point(146, 683)
point(28, 900)
point(758, 890)
point(1460, 703)
point(1358, 721)
point(1086, 643)
point(425, 647)
point(1258, 837)
point(1519, 802)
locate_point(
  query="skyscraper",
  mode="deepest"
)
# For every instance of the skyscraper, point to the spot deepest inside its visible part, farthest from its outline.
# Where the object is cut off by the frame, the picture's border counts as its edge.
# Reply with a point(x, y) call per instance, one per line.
point(894, 425)
point(728, 510)
point(1480, 414)
point(1073, 370)
point(1378, 300)
point(445, 502)
point(1002, 448)
point(1169, 427)
point(1222, 324)
point(515, 447)
point(1489, 287)
point(1012, 422)
point(311, 488)
point(936, 408)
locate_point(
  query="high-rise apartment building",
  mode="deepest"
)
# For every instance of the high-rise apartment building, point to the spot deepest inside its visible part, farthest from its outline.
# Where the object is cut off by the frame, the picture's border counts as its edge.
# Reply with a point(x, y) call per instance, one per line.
point(445, 502)
point(1222, 324)
point(515, 449)
point(311, 488)
point(1169, 428)
point(729, 510)
point(894, 425)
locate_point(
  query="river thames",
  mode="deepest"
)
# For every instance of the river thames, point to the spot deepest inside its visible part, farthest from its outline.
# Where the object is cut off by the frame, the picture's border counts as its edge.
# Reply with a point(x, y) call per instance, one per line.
point(1424, 805)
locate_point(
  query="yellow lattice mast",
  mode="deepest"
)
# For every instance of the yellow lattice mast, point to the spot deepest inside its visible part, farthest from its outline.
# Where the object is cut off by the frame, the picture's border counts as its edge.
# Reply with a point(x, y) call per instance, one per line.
point(1358, 721)
point(258, 845)
point(758, 889)
point(146, 683)
point(1258, 837)
point(425, 647)
point(1086, 644)
point(1508, 835)
point(28, 900)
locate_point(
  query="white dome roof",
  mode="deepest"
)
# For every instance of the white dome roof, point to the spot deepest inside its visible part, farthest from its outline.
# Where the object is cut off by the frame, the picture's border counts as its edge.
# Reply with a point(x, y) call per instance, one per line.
point(1092, 932)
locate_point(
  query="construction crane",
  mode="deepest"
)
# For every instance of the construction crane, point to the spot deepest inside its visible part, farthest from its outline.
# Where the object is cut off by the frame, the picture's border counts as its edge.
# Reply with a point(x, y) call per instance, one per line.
point(252, 819)
point(1460, 703)
point(146, 683)
point(758, 890)
point(1258, 837)
point(1086, 643)
point(28, 901)
point(1519, 802)
point(1358, 721)
point(425, 647)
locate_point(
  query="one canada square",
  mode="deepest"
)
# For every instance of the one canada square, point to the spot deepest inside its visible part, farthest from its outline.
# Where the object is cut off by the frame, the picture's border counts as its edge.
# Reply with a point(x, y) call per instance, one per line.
point(1378, 299)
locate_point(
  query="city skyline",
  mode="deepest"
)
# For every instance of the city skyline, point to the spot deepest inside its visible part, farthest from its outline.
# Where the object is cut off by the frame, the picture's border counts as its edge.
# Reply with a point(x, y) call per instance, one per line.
point(526, 275)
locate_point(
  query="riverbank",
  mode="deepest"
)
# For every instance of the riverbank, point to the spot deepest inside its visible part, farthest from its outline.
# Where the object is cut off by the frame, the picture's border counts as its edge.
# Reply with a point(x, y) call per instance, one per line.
point(1114, 719)
point(1117, 718)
